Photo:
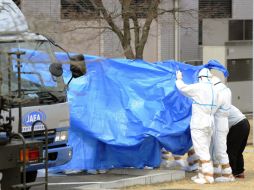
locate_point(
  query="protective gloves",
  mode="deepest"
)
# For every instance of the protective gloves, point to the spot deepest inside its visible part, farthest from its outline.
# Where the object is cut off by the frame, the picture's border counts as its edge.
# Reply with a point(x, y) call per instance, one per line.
point(179, 75)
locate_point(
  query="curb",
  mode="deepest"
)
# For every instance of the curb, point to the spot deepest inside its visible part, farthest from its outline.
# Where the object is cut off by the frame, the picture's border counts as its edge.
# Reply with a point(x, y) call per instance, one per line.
point(147, 177)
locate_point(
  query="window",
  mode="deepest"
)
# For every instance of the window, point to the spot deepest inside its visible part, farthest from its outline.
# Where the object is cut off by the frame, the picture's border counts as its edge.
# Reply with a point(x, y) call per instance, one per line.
point(194, 62)
point(200, 32)
point(215, 8)
point(240, 70)
point(248, 29)
point(240, 30)
point(140, 7)
point(78, 9)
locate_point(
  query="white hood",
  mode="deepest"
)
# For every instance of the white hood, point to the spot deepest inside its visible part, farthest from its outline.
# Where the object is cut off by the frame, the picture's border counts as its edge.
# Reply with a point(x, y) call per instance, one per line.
point(204, 75)
point(12, 20)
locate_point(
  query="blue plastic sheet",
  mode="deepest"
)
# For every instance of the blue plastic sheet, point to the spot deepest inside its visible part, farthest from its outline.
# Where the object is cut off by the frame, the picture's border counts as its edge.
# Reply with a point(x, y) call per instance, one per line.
point(124, 111)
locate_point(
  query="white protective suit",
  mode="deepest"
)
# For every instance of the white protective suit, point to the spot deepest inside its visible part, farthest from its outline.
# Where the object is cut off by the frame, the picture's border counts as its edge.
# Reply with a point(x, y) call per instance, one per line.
point(203, 108)
point(220, 132)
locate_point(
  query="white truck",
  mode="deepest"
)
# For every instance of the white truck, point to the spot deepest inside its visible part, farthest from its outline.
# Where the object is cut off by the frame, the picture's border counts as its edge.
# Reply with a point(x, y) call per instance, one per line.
point(38, 101)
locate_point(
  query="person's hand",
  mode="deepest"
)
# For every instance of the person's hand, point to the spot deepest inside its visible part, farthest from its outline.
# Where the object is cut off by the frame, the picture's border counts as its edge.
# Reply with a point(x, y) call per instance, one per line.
point(179, 75)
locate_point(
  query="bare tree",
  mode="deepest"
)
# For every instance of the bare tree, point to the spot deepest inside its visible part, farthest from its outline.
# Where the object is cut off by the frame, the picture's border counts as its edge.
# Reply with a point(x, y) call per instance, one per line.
point(136, 15)
point(130, 20)
point(129, 13)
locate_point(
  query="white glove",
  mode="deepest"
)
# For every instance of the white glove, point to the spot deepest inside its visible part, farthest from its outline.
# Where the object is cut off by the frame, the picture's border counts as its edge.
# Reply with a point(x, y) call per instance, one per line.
point(179, 75)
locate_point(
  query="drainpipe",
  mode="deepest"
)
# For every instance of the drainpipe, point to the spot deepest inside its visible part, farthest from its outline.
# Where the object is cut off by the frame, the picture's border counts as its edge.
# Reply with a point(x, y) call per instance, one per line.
point(176, 32)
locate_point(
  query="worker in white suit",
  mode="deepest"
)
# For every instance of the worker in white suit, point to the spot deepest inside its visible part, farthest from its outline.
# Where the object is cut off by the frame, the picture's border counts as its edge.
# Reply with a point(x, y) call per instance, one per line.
point(222, 169)
point(203, 108)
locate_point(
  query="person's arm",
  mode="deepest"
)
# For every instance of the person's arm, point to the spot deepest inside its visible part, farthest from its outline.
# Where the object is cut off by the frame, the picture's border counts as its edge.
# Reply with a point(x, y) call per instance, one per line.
point(187, 90)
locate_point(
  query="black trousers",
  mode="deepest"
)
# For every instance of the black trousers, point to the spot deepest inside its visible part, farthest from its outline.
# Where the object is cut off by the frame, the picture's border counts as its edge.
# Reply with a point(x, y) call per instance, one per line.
point(236, 142)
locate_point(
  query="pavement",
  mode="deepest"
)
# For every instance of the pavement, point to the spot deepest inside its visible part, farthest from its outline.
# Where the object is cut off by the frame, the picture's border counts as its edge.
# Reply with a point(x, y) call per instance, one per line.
point(113, 179)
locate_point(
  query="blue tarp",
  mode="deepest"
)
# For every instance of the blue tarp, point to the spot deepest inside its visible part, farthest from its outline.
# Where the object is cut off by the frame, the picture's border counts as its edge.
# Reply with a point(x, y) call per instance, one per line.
point(124, 111)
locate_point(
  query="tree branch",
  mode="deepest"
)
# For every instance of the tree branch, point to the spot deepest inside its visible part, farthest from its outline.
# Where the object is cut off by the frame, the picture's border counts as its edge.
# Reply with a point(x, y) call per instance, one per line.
point(151, 14)
point(87, 27)
point(99, 6)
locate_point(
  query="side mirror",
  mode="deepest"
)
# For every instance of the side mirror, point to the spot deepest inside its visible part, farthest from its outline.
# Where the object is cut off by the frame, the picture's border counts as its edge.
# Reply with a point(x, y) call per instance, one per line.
point(78, 66)
point(56, 69)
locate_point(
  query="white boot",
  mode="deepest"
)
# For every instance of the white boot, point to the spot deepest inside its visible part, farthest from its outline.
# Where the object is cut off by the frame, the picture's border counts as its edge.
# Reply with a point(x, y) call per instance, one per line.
point(192, 168)
point(182, 163)
point(206, 168)
point(193, 164)
point(102, 171)
point(93, 172)
point(226, 175)
point(174, 163)
point(223, 179)
point(217, 171)
point(164, 163)
point(197, 176)
point(204, 180)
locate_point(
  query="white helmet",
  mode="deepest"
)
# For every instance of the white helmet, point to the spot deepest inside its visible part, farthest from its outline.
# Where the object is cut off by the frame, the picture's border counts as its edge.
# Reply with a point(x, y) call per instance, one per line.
point(204, 73)
point(216, 80)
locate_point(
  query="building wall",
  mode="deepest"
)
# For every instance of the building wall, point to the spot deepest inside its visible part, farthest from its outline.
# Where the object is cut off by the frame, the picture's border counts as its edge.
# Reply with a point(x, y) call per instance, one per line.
point(242, 9)
point(218, 53)
point(242, 95)
point(166, 29)
point(45, 17)
point(239, 51)
point(189, 31)
point(215, 32)
point(216, 45)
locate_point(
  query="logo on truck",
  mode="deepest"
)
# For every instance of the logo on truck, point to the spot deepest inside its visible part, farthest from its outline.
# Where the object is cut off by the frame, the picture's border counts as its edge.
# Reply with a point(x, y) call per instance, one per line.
point(30, 117)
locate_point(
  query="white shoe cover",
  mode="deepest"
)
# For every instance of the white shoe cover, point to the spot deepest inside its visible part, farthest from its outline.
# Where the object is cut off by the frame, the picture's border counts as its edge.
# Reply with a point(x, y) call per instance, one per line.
point(192, 168)
point(170, 164)
point(192, 158)
point(194, 177)
point(69, 172)
point(204, 180)
point(182, 163)
point(200, 175)
point(165, 163)
point(224, 179)
point(102, 171)
point(94, 172)
point(217, 170)
point(148, 168)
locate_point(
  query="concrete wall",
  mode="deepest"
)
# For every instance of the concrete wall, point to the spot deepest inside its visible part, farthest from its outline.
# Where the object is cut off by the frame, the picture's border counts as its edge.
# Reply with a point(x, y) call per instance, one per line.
point(189, 31)
point(242, 9)
point(215, 32)
point(218, 53)
point(242, 95)
point(239, 50)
